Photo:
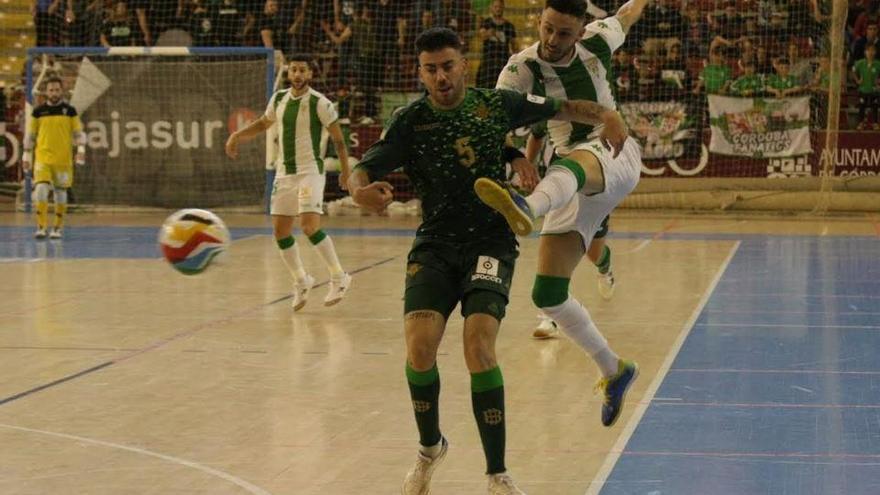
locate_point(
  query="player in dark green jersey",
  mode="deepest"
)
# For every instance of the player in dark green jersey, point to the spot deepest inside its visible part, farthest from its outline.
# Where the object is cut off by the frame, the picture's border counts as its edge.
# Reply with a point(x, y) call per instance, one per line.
point(464, 252)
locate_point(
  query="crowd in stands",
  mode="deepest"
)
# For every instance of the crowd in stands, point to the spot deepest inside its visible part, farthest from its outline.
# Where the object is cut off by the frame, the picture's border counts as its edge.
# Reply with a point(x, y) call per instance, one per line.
point(681, 49)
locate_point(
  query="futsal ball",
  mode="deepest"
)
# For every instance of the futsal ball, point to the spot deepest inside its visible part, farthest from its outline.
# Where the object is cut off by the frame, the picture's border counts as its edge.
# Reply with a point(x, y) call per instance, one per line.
point(191, 239)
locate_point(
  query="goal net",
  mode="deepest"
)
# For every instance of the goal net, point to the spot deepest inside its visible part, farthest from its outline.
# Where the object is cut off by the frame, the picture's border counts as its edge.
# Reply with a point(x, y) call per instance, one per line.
point(156, 122)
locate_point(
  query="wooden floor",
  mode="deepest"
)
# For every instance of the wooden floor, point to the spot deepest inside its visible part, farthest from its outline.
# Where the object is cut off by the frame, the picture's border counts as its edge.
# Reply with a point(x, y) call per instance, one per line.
point(120, 376)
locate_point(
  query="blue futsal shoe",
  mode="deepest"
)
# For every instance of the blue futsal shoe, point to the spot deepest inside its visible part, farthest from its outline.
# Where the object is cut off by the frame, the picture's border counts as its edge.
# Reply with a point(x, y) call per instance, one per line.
point(614, 388)
point(508, 202)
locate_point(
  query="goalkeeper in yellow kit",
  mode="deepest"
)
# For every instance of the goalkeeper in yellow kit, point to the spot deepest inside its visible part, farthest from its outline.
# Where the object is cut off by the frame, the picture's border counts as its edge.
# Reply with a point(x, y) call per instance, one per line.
point(53, 127)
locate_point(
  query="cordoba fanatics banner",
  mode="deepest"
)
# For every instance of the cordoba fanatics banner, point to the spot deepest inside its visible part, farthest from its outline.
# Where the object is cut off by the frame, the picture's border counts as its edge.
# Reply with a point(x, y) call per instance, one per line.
point(760, 127)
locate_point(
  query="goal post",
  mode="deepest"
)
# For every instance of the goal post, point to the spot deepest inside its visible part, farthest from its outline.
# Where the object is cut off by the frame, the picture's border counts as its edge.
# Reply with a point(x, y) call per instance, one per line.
point(156, 121)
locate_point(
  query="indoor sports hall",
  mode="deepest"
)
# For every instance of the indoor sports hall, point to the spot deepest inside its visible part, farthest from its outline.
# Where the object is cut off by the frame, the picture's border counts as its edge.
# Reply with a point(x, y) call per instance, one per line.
point(746, 262)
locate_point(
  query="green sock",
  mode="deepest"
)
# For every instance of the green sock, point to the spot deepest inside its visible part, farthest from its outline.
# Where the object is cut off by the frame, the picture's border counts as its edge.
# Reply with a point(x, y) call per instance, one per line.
point(604, 261)
point(424, 388)
point(487, 396)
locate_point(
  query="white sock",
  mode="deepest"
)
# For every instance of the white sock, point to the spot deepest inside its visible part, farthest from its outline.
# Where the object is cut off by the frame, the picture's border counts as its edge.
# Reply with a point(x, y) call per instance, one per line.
point(324, 245)
point(433, 451)
point(555, 190)
point(290, 256)
point(572, 317)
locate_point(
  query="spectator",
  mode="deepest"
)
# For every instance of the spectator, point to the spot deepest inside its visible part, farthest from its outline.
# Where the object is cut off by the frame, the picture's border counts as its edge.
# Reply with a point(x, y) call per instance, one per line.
point(341, 36)
point(155, 17)
point(272, 32)
point(749, 84)
point(308, 25)
point(370, 72)
point(858, 49)
point(716, 75)
point(230, 22)
point(499, 43)
point(389, 23)
point(117, 28)
point(674, 72)
point(866, 73)
point(627, 76)
point(782, 83)
point(696, 35)
point(728, 25)
point(763, 63)
point(648, 79)
point(47, 21)
point(801, 67)
point(662, 24)
point(456, 15)
point(201, 23)
point(870, 16)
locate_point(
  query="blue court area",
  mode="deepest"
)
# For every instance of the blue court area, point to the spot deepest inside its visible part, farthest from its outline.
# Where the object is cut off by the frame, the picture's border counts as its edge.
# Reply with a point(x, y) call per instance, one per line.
point(18, 243)
point(776, 390)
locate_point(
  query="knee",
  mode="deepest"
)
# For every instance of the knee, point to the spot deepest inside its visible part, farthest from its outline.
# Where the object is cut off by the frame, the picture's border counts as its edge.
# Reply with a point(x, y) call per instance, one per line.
point(479, 349)
point(549, 291)
point(421, 354)
point(309, 228)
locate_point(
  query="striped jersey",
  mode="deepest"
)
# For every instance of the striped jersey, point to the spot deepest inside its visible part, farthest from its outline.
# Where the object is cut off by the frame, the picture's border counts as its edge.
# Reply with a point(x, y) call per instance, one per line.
point(53, 127)
point(302, 130)
point(587, 76)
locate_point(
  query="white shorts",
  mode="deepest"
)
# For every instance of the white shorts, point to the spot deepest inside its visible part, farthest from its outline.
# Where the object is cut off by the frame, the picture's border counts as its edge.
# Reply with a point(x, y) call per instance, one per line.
point(295, 194)
point(584, 214)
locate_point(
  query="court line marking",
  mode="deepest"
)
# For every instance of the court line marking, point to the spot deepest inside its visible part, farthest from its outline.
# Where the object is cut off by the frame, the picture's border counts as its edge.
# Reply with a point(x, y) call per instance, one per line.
point(786, 325)
point(660, 233)
point(764, 405)
point(795, 372)
point(617, 450)
point(180, 335)
point(251, 488)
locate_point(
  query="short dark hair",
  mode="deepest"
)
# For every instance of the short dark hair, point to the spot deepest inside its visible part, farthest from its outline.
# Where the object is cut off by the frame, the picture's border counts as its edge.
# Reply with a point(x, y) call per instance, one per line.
point(298, 57)
point(576, 8)
point(436, 39)
point(54, 79)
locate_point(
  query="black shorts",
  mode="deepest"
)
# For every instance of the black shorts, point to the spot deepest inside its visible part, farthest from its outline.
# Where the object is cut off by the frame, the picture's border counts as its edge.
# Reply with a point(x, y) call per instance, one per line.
point(440, 274)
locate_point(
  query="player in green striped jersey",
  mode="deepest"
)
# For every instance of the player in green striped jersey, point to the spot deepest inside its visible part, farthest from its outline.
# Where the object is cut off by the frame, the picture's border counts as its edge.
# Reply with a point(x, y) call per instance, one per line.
point(304, 118)
point(572, 59)
point(463, 252)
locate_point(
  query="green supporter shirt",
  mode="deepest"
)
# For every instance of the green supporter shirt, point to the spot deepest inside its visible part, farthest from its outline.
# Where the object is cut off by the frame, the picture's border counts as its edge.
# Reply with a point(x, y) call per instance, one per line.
point(715, 77)
point(753, 85)
point(780, 83)
point(444, 151)
point(868, 73)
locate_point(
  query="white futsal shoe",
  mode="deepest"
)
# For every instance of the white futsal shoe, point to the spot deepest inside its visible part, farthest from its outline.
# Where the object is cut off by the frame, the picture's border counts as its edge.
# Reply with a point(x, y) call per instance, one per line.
point(337, 290)
point(418, 479)
point(301, 290)
point(546, 329)
point(502, 484)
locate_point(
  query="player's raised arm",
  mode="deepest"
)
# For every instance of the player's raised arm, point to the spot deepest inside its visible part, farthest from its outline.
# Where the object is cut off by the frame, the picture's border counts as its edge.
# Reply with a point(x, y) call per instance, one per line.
point(246, 133)
point(630, 12)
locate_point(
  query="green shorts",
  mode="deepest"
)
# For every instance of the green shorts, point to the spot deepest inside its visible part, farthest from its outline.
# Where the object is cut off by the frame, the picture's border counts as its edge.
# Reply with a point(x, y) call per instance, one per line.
point(440, 274)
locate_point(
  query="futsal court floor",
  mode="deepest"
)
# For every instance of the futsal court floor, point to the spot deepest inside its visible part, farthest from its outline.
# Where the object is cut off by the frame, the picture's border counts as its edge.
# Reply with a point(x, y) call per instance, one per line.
point(758, 339)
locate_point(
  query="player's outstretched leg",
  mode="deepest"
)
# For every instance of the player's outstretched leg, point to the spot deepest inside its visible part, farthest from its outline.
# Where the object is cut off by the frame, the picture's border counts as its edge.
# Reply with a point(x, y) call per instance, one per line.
point(550, 293)
point(508, 202)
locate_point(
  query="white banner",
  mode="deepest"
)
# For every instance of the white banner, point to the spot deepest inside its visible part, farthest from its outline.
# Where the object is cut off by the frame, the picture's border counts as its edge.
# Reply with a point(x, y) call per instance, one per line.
point(760, 127)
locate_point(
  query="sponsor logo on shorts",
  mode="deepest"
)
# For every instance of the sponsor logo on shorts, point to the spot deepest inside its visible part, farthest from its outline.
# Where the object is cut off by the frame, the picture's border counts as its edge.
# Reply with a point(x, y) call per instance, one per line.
point(536, 99)
point(486, 269)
